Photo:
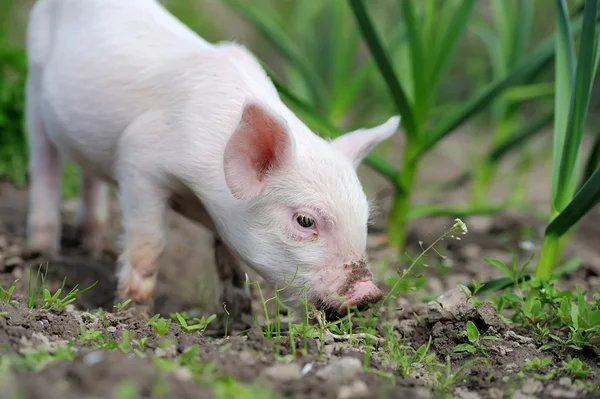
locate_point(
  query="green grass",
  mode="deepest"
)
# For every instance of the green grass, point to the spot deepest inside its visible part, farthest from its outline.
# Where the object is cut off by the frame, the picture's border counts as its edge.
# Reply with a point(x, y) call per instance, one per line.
point(557, 318)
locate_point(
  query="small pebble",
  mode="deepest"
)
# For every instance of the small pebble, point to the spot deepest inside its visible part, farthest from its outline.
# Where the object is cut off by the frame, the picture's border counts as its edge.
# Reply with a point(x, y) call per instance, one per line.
point(13, 261)
point(345, 368)
point(358, 389)
point(307, 367)
point(93, 358)
point(565, 382)
point(283, 372)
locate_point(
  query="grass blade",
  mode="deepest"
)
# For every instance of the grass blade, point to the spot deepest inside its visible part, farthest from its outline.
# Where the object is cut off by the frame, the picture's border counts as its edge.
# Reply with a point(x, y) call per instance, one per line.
point(523, 29)
point(585, 199)
point(564, 77)
point(421, 211)
point(455, 28)
point(522, 93)
point(326, 129)
point(528, 131)
point(593, 161)
point(415, 44)
point(385, 67)
point(345, 42)
point(540, 57)
point(351, 89)
point(580, 99)
point(284, 44)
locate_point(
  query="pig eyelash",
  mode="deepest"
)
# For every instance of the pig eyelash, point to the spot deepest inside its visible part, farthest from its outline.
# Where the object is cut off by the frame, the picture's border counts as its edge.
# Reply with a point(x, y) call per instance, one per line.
point(305, 221)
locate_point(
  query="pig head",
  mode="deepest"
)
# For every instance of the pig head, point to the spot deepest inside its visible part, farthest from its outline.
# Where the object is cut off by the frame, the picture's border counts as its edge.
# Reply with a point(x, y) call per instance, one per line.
point(300, 212)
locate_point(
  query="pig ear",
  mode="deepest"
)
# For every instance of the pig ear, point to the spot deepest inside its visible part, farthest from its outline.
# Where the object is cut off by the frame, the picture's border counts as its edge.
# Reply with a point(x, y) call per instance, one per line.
point(260, 145)
point(358, 143)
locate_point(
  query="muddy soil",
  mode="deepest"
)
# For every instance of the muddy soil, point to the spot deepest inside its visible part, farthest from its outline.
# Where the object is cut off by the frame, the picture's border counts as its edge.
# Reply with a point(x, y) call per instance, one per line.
point(328, 369)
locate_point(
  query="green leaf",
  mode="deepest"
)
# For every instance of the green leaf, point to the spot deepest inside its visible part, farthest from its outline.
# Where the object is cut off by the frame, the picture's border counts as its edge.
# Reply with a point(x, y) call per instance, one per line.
point(453, 28)
point(564, 74)
point(491, 338)
point(511, 297)
point(464, 348)
point(324, 128)
point(429, 210)
point(537, 59)
point(593, 161)
point(575, 315)
point(586, 198)
point(521, 93)
point(190, 354)
point(383, 63)
point(594, 318)
point(280, 40)
point(499, 264)
point(472, 332)
point(578, 109)
point(415, 44)
point(499, 284)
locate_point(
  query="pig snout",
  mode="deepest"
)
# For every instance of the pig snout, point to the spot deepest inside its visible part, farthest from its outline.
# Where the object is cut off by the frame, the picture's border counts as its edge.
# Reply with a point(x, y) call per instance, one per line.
point(355, 289)
point(362, 294)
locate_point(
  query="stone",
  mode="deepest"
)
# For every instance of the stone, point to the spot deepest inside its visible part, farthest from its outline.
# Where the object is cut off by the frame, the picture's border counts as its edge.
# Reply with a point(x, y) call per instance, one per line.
point(247, 357)
point(283, 372)
point(490, 317)
point(452, 305)
point(531, 387)
point(516, 337)
point(565, 382)
point(407, 326)
point(462, 393)
point(12, 261)
point(357, 389)
point(345, 368)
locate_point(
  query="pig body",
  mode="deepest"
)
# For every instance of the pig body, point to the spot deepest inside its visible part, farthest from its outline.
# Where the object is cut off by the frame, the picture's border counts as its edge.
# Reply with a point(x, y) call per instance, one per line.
point(140, 102)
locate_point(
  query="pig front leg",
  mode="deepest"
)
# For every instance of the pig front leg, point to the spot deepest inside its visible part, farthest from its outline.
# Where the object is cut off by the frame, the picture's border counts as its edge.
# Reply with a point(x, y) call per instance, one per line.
point(45, 176)
point(93, 213)
point(144, 209)
point(235, 293)
point(144, 202)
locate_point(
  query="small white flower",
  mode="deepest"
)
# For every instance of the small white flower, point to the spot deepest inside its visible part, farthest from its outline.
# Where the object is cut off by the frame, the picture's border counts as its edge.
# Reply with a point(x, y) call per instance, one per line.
point(460, 225)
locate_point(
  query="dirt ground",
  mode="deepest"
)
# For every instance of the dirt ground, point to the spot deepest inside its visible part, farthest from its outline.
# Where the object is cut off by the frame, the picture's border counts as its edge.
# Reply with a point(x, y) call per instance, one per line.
point(187, 283)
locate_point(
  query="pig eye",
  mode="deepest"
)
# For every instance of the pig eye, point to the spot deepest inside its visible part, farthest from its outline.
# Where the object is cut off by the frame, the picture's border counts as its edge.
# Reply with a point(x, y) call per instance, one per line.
point(305, 221)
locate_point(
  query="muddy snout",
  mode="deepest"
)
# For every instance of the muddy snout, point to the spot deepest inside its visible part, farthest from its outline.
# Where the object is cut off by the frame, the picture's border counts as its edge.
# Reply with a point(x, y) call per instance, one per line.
point(358, 290)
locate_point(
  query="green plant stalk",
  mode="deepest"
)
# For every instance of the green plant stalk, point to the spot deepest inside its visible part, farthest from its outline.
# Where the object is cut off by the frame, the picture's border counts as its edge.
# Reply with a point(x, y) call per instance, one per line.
point(548, 254)
point(401, 204)
point(482, 182)
point(485, 171)
point(567, 206)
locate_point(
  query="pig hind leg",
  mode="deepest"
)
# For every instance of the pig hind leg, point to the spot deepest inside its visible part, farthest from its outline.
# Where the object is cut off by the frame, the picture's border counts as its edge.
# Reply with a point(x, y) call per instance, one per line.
point(93, 213)
point(235, 293)
point(45, 177)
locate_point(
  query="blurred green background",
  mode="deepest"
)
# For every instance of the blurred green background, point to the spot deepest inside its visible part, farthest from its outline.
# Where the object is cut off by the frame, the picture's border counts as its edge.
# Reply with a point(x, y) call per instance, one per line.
point(321, 59)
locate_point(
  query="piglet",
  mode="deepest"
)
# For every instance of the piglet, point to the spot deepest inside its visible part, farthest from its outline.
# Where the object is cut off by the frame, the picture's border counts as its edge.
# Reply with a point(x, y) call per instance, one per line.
point(140, 102)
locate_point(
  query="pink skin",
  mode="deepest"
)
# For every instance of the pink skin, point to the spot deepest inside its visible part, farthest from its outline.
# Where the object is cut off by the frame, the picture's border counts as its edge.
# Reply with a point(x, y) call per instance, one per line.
point(139, 101)
point(359, 293)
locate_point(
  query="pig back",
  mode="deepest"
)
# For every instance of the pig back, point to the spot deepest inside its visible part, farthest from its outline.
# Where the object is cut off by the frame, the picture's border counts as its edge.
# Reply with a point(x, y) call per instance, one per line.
point(103, 63)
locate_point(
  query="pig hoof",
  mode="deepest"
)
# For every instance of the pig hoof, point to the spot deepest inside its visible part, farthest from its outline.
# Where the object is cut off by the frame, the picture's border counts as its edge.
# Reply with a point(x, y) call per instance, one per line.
point(43, 240)
point(135, 287)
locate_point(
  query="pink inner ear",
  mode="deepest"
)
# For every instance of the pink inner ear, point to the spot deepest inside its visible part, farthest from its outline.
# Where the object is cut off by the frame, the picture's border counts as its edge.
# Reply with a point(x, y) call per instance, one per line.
point(259, 146)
